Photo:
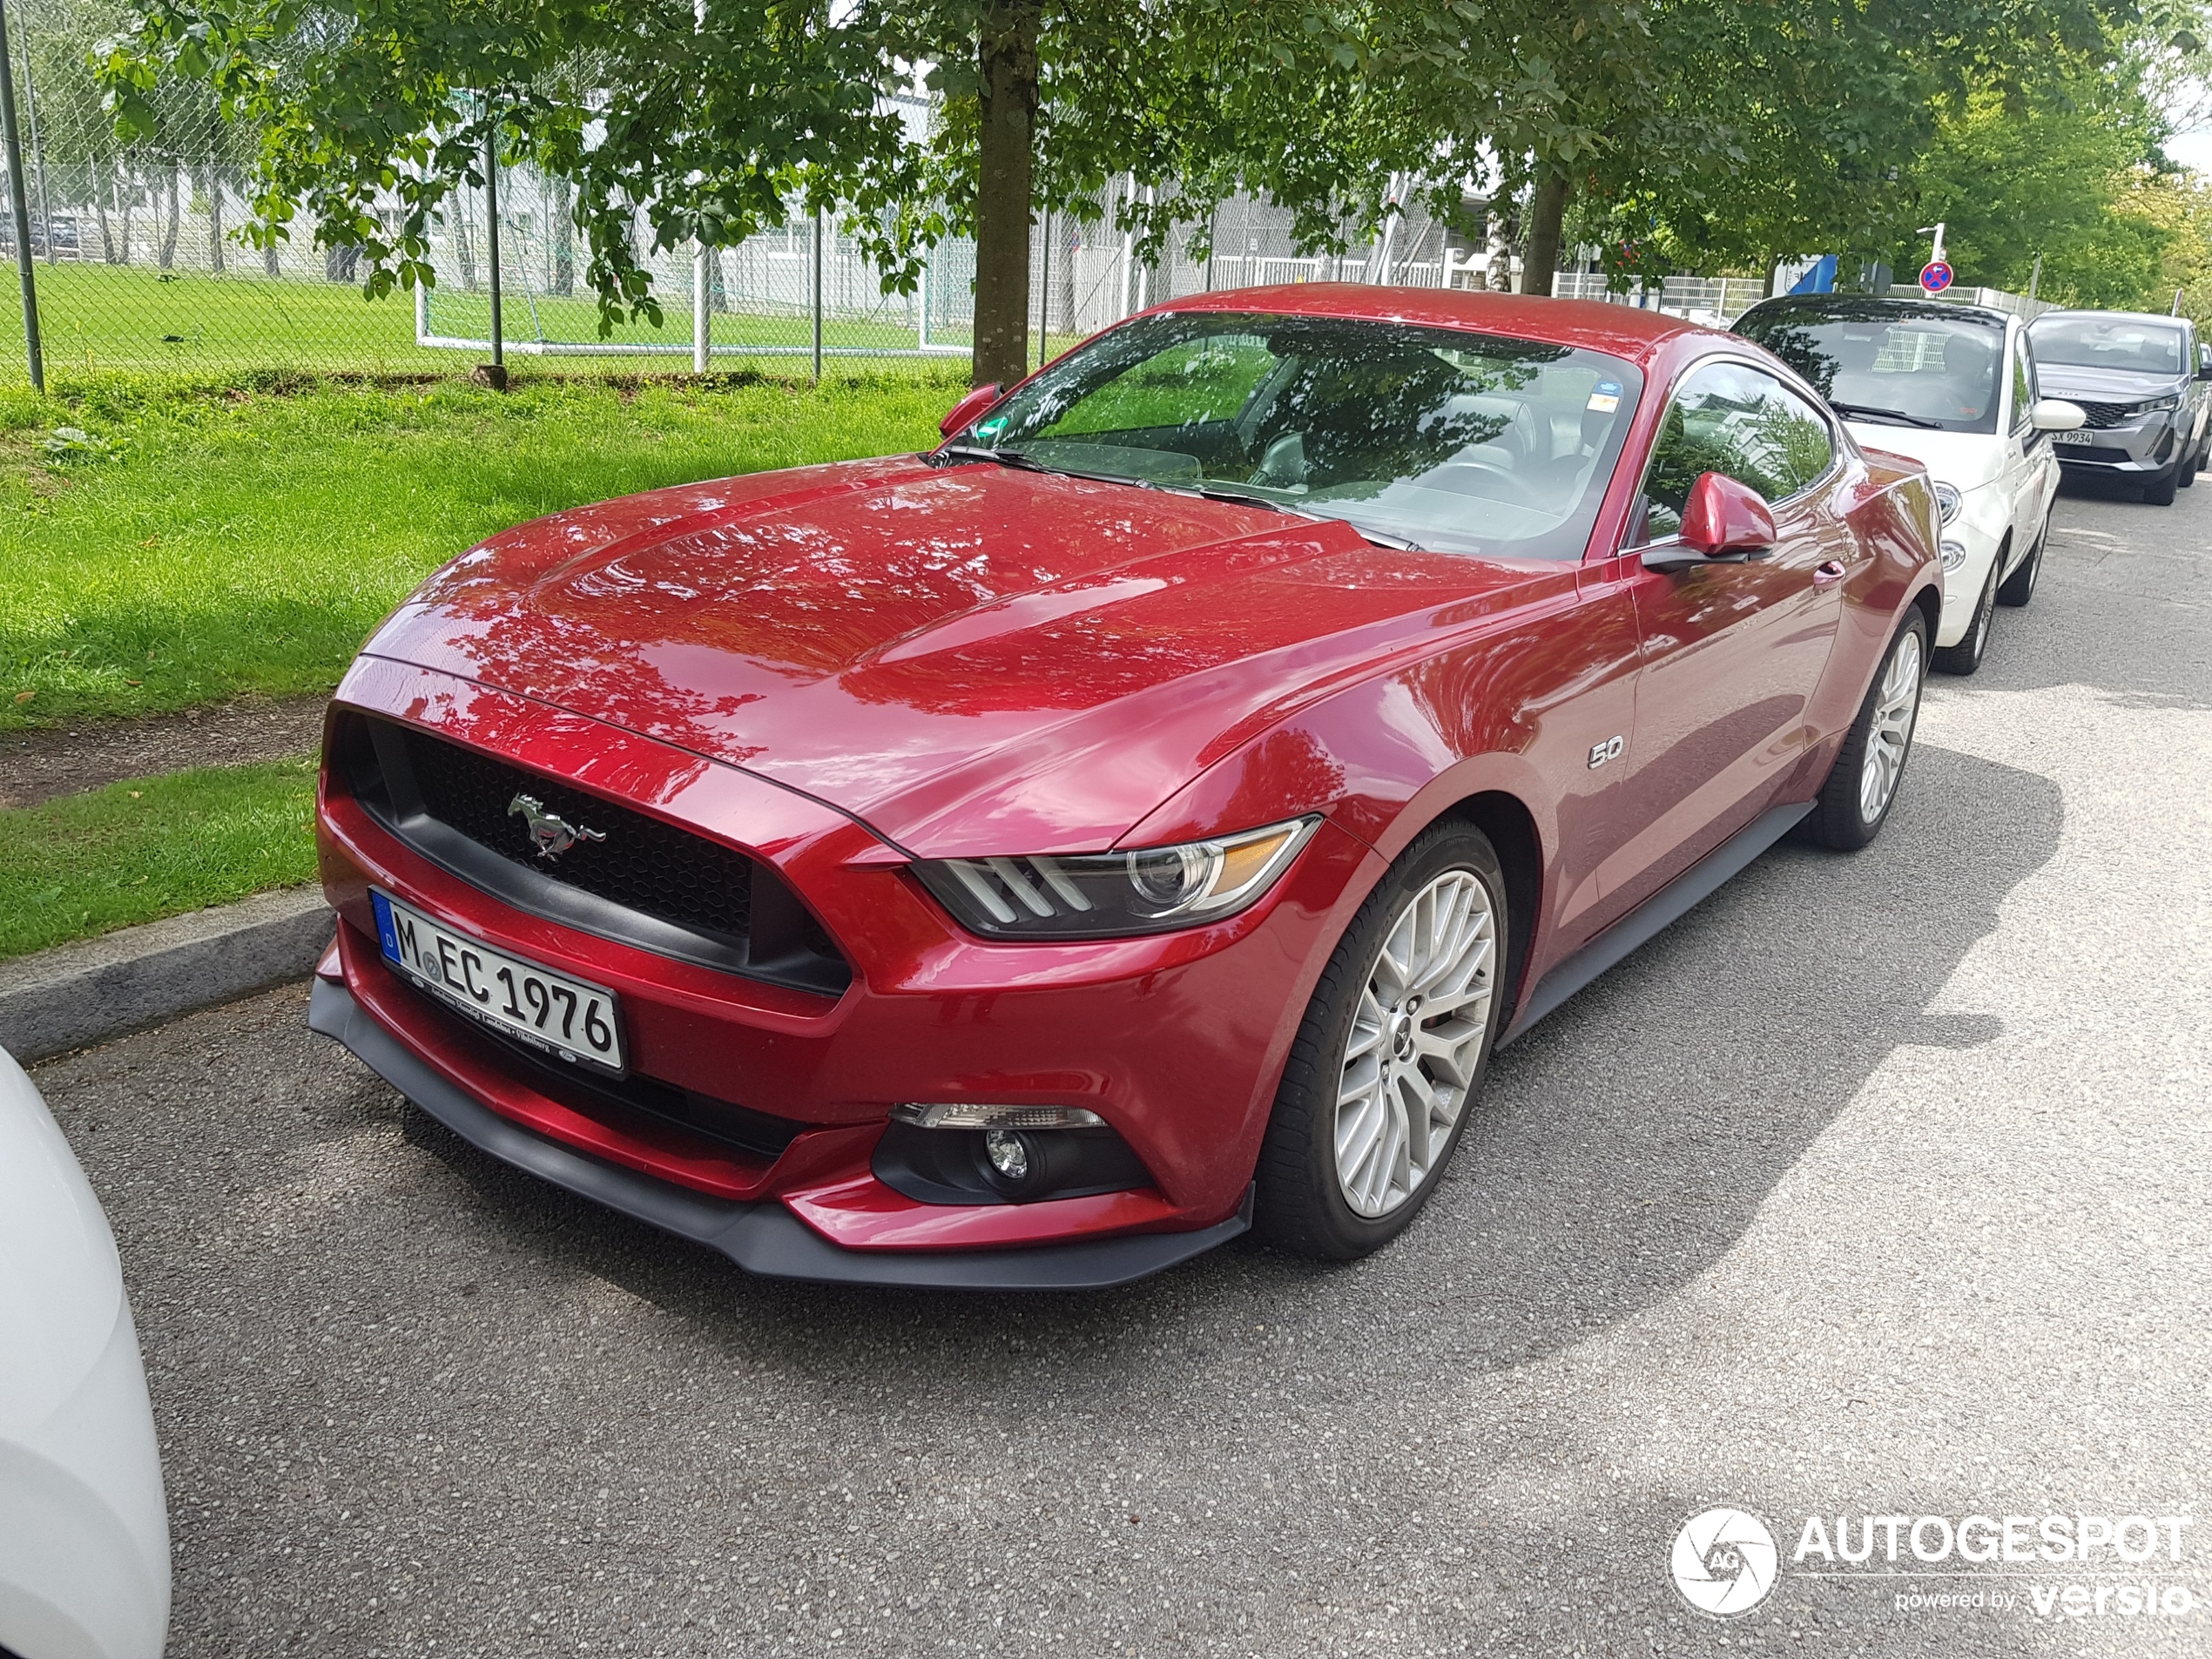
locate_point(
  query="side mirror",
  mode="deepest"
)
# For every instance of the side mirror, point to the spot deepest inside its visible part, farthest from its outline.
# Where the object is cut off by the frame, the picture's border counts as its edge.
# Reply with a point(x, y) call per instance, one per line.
point(2055, 415)
point(964, 413)
point(1722, 519)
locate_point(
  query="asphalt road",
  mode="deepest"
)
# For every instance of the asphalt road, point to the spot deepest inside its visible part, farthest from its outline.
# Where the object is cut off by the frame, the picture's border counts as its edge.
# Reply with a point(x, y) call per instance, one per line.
point(1875, 1187)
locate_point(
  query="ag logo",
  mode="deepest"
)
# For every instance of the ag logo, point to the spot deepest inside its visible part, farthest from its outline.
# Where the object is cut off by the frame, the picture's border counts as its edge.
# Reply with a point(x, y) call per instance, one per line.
point(1724, 1562)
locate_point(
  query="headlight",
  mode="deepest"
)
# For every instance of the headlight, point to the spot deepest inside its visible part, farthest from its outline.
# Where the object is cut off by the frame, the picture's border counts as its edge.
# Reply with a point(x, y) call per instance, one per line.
point(1107, 895)
point(1954, 555)
point(2156, 404)
point(1947, 501)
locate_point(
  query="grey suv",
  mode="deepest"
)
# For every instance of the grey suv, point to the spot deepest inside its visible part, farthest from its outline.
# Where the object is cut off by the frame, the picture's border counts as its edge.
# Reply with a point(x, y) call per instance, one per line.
point(2142, 381)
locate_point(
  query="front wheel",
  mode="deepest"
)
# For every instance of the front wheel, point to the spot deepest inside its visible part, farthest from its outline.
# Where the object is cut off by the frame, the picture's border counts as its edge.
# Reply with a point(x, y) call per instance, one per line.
point(1392, 1053)
point(2159, 492)
point(1862, 785)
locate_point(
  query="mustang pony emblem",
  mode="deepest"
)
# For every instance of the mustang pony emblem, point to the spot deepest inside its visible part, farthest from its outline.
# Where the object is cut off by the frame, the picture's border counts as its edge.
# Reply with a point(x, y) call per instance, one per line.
point(550, 834)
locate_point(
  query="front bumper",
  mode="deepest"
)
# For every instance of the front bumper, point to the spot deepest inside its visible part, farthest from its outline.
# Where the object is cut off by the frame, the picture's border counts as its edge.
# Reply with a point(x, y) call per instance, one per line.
point(2141, 449)
point(1176, 1040)
point(762, 1238)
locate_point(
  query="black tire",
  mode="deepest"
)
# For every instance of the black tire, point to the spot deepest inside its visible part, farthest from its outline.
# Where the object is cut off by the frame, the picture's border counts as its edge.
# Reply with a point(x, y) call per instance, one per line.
point(2159, 492)
point(2018, 588)
point(1301, 1204)
point(1838, 818)
point(1965, 657)
point(2188, 471)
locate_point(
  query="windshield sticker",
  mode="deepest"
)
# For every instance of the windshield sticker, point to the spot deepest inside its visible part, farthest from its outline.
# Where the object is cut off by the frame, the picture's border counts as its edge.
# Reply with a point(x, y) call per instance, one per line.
point(992, 428)
point(1606, 398)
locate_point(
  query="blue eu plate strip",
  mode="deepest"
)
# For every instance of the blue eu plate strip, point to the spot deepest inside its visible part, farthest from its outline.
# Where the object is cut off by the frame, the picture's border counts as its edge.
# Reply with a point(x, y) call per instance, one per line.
point(386, 935)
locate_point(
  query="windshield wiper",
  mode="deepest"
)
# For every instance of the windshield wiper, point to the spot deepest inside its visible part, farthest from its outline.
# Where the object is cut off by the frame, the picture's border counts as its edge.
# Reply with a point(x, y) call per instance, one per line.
point(1898, 415)
point(1241, 498)
point(1004, 457)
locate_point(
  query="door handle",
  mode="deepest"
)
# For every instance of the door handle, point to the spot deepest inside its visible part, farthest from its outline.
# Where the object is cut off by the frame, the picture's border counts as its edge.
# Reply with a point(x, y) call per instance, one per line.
point(1828, 570)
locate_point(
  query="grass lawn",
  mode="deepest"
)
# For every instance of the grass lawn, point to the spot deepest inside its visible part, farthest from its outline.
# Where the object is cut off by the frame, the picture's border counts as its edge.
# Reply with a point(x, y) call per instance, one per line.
point(153, 846)
point(98, 318)
point(216, 540)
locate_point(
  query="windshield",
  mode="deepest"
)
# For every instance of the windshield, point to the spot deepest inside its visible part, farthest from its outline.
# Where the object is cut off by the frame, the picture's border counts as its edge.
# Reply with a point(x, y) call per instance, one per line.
point(2127, 345)
point(1451, 441)
point(1894, 363)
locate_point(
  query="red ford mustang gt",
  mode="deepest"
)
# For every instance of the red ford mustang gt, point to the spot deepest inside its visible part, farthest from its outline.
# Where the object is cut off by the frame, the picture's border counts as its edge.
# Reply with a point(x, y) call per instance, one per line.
point(1034, 862)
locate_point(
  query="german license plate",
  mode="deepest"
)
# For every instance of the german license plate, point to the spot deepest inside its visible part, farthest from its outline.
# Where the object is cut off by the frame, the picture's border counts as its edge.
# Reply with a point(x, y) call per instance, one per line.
point(568, 1017)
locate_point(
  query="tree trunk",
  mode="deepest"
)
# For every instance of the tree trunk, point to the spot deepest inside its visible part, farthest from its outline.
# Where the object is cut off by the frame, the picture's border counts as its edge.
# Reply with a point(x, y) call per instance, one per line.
point(214, 221)
point(270, 261)
point(563, 236)
point(1006, 62)
point(100, 211)
point(1545, 211)
point(176, 209)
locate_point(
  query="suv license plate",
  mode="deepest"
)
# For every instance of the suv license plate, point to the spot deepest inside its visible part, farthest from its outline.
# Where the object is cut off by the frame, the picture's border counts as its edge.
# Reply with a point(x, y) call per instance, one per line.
point(568, 1017)
point(2069, 437)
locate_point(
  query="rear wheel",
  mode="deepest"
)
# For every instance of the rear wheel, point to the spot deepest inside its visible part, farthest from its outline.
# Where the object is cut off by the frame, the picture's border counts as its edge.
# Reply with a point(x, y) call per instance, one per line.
point(1862, 785)
point(1392, 1053)
point(1965, 657)
point(2020, 587)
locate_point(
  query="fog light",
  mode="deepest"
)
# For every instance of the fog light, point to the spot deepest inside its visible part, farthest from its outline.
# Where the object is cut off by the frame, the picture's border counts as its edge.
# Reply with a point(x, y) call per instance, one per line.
point(1954, 555)
point(1008, 1150)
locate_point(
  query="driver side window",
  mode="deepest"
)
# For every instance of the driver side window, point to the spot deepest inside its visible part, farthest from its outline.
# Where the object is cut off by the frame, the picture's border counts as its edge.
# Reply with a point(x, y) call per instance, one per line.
point(1732, 419)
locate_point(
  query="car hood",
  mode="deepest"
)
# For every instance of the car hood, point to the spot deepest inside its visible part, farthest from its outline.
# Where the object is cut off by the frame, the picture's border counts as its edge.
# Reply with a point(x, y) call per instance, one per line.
point(967, 658)
point(1964, 459)
point(2106, 385)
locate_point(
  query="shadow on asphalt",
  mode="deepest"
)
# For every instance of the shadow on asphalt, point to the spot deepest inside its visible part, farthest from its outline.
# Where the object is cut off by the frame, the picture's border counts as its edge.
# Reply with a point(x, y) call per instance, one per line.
point(1621, 1147)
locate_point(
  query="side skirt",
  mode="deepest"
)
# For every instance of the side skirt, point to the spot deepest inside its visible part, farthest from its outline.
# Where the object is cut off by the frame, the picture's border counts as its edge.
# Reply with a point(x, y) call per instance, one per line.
point(1672, 902)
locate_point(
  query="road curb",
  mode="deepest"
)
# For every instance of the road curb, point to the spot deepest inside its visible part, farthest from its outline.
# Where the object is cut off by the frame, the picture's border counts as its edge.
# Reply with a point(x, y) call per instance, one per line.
point(74, 994)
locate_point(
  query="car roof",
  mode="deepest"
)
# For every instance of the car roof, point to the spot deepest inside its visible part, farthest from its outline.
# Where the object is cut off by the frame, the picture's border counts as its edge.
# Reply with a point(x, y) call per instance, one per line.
point(1866, 307)
point(2115, 316)
point(1619, 330)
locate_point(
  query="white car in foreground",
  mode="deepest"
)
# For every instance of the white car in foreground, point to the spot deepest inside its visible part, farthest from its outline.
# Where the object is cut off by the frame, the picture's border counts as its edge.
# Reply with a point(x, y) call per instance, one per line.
point(84, 1532)
point(1954, 387)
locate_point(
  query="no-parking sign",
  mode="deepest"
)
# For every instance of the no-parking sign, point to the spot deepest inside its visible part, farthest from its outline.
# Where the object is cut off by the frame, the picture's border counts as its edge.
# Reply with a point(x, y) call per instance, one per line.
point(1935, 277)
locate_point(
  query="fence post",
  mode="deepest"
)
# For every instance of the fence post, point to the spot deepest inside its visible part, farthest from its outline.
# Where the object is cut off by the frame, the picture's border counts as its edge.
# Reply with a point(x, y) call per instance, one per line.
point(1044, 289)
point(30, 126)
point(818, 296)
point(491, 242)
point(701, 317)
point(19, 205)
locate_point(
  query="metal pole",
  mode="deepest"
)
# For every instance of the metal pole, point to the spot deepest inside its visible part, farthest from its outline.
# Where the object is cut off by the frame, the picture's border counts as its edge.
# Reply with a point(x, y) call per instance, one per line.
point(1045, 288)
point(19, 204)
point(37, 149)
point(818, 296)
point(491, 241)
point(701, 322)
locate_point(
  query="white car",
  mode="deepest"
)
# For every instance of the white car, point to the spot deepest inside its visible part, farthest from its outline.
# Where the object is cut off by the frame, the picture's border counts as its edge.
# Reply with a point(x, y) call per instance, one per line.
point(1954, 387)
point(84, 1531)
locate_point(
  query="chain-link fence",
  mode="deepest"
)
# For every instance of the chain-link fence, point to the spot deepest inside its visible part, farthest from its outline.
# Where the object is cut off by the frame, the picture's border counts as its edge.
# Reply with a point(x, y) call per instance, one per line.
point(138, 264)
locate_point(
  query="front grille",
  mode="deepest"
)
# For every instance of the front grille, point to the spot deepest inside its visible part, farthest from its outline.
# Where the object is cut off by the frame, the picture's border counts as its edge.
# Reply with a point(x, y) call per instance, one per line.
point(2098, 416)
point(643, 881)
point(643, 865)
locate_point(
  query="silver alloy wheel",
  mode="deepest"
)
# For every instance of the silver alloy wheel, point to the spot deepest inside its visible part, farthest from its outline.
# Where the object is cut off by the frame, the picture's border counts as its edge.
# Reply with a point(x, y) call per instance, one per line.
point(1415, 1042)
point(1891, 735)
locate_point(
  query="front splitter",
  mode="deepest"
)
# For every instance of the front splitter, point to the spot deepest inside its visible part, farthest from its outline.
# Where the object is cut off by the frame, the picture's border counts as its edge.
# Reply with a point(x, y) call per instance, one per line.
point(762, 1238)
